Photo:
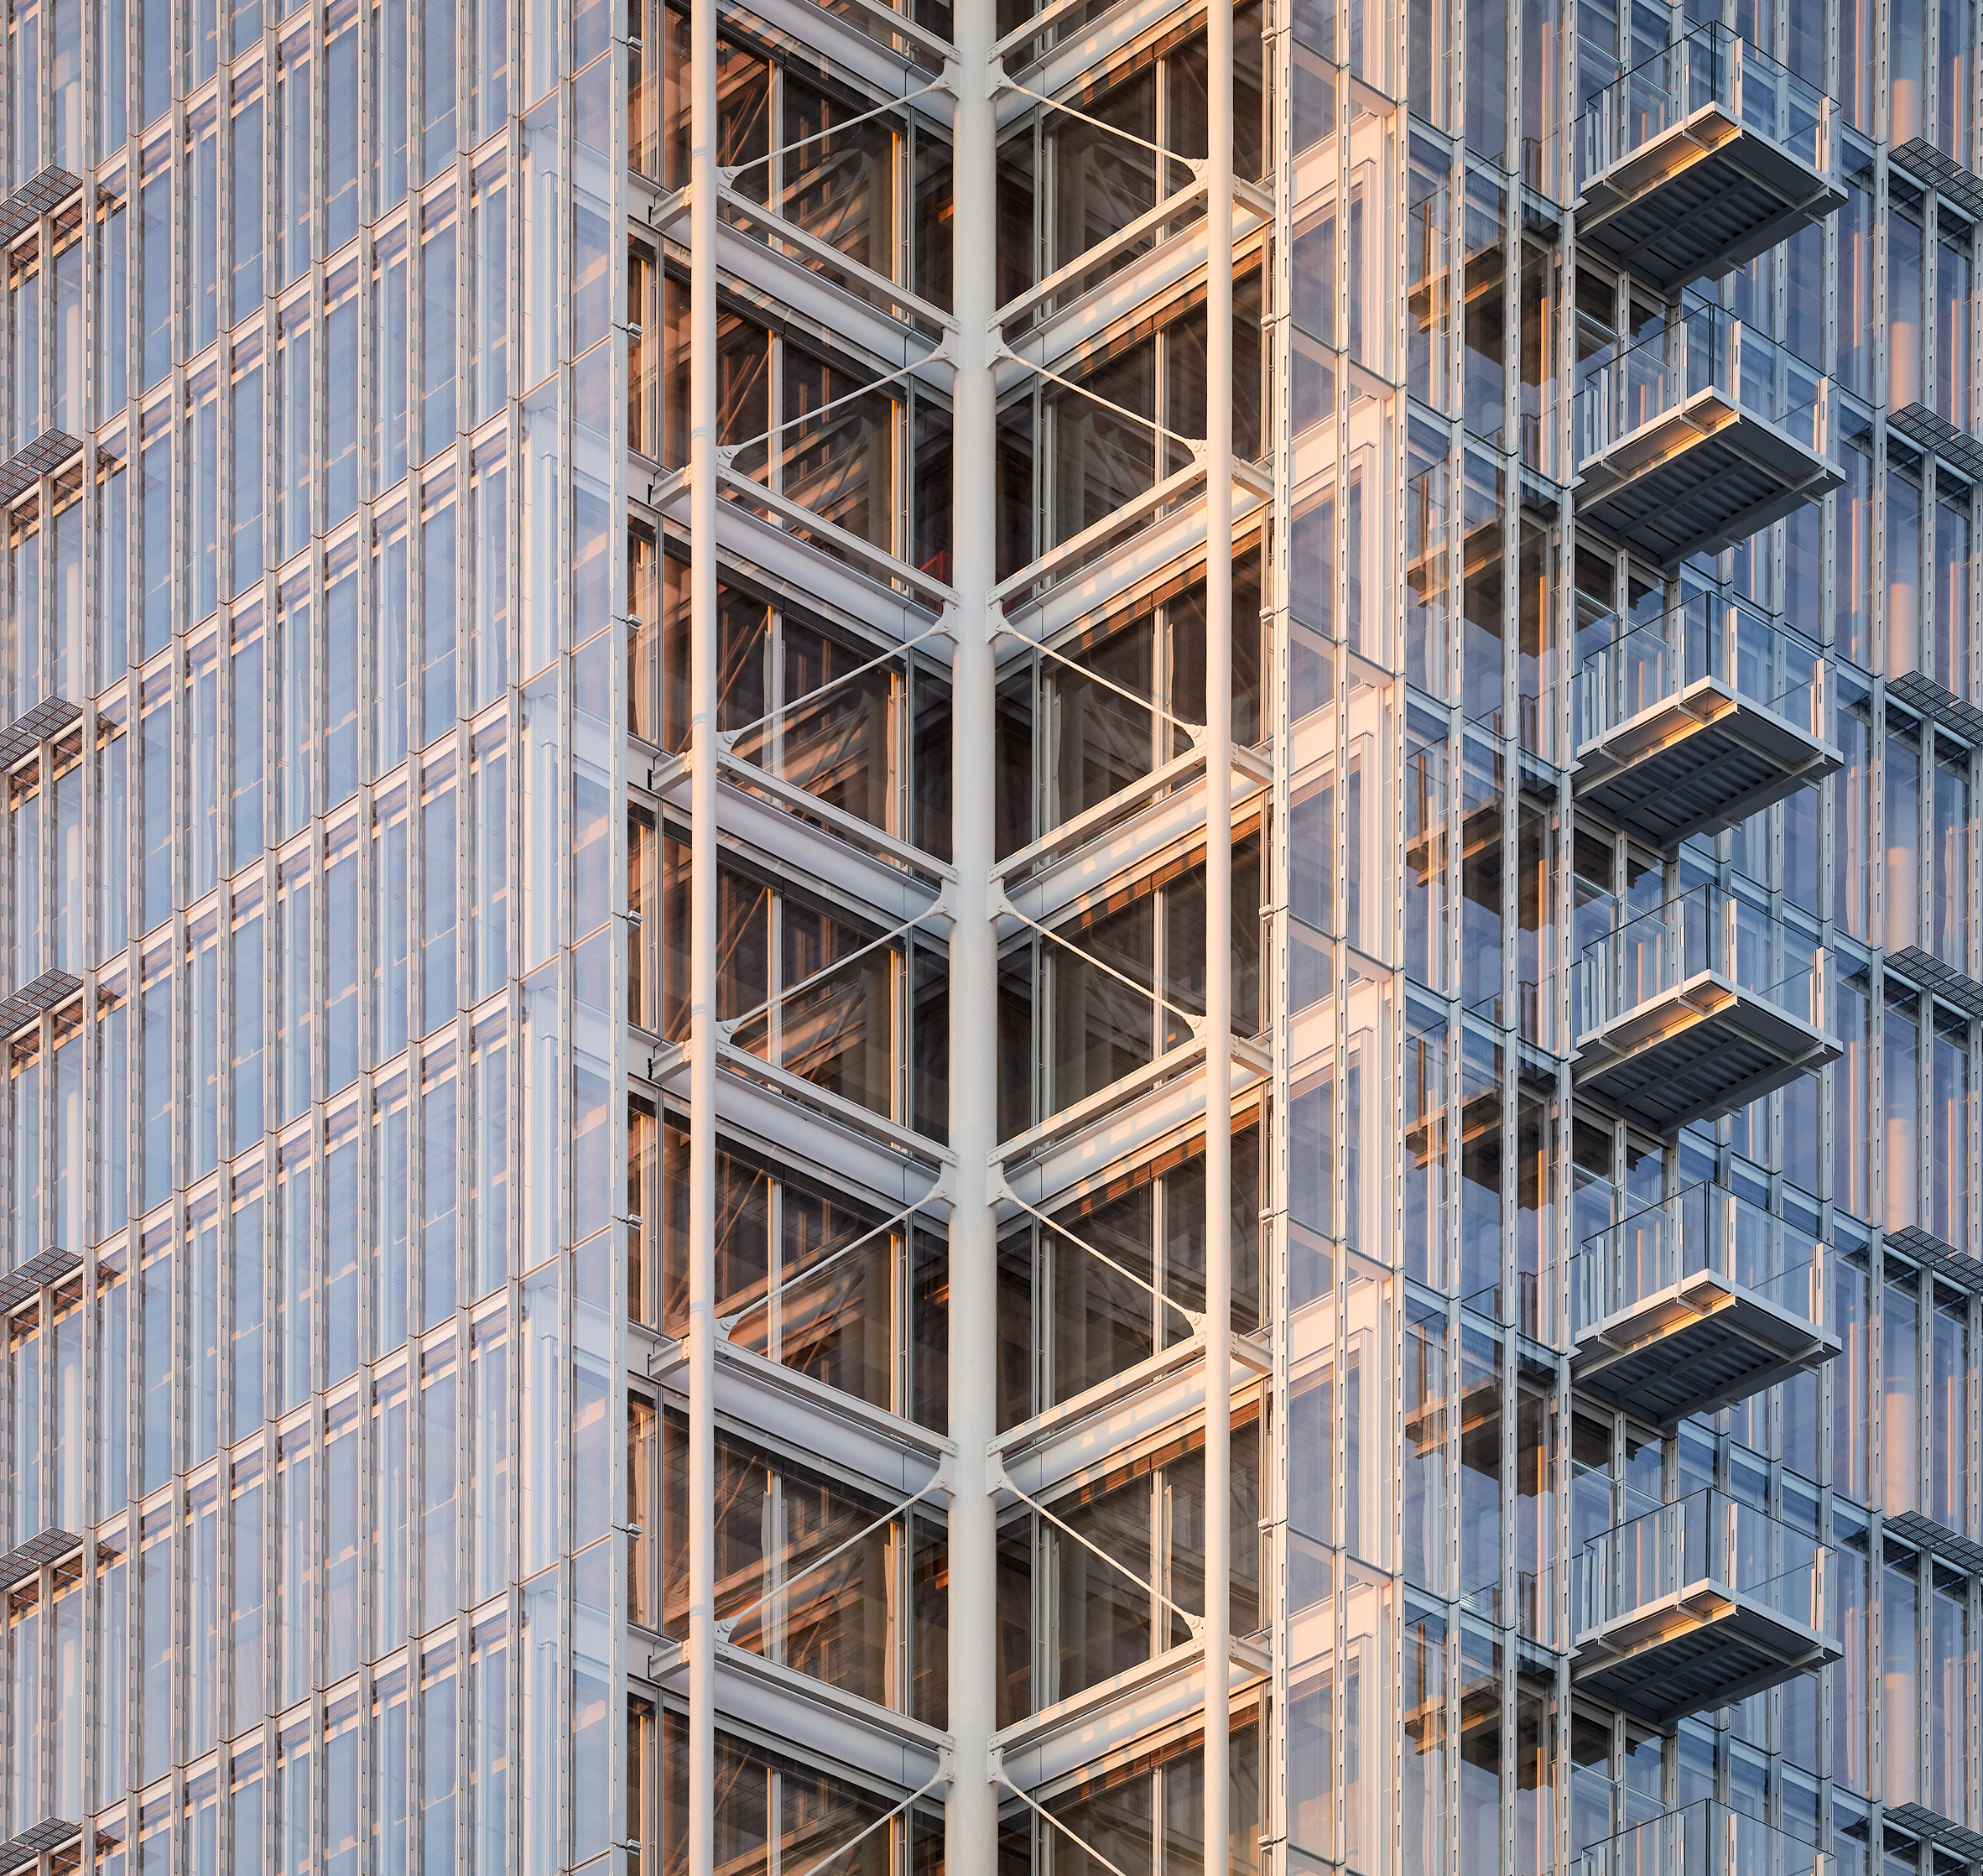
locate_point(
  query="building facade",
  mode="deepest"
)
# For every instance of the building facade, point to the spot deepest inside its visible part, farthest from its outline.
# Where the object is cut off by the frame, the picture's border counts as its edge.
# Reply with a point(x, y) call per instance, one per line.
point(684, 684)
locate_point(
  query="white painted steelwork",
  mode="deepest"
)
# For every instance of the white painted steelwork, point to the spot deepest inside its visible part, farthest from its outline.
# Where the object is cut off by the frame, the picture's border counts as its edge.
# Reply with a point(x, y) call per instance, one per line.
point(703, 184)
point(1218, 943)
point(971, 1817)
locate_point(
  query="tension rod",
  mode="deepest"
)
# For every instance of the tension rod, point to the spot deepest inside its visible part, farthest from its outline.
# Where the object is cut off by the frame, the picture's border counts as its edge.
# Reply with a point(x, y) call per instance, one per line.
point(729, 1323)
point(1032, 1803)
point(831, 403)
point(939, 1480)
point(1195, 732)
point(731, 1025)
point(728, 173)
point(731, 737)
point(942, 1776)
point(1194, 444)
point(1001, 1481)
point(1195, 1021)
point(1192, 1320)
point(1195, 164)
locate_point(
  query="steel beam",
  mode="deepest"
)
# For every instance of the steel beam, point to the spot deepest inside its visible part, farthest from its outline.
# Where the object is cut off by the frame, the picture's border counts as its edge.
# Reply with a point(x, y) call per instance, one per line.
point(970, 1820)
point(702, 915)
point(1218, 939)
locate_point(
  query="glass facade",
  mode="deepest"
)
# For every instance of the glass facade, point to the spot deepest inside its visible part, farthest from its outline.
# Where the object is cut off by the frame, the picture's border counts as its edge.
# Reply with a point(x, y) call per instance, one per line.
point(1040, 938)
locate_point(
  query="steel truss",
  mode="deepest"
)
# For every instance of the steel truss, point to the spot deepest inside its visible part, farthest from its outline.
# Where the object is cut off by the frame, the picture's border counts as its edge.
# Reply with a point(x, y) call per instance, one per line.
point(1194, 512)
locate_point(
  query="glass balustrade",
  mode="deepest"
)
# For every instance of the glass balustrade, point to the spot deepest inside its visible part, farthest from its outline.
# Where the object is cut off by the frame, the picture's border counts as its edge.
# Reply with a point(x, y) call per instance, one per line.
point(1705, 930)
point(1709, 636)
point(1705, 1228)
point(1713, 65)
point(1623, 388)
point(1704, 1838)
point(1706, 1540)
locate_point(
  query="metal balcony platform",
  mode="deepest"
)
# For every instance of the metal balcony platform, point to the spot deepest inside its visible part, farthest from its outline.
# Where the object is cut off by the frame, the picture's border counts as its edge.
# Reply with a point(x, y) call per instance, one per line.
point(1703, 473)
point(50, 1266)
point(38, 1839)
point(1706, 194)
point(1944, 1259)
point(1699, 1344)
point(1699, 1648)
point(49, 452)
point(1943, 1832)
point(1701, 1049)
point(42, 194)
point(1697, 762)
point(24, 1559)
point(47, 992)
point(33, 727)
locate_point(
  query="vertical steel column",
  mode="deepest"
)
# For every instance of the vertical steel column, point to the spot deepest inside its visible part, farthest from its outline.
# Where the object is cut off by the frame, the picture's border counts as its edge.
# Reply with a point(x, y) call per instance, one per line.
point(970, 1816)
point(1218, 940)
point(702, 916)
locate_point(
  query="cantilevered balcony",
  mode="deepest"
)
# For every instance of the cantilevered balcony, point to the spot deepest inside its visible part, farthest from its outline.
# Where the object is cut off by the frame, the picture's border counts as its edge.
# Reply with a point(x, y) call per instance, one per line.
point(1693, 722)
point(1697, 1302)
point(1698, 1603)
point(1699, 436)
point(1696, 1008)
point(1704, 1838)
point(1700, 158)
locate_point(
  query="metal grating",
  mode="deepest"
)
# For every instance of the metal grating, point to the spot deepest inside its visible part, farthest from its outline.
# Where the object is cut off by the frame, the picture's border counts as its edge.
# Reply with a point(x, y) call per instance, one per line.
point(33, 728)
point(49, 1546)
point(33, 999)
point(1704, 212)
point(51, 1267)
point(1943, 174)
point(1937, 702)
point(1930, 430)
point(1700, 1669)
point(42, 194)
point(45, 455)
point(1945, 1834)
point(51, 1833)
point(1701, 782)
point(1927, 1533)
point(1945, 980)
point(1696, 1365)
point(1937, 1255)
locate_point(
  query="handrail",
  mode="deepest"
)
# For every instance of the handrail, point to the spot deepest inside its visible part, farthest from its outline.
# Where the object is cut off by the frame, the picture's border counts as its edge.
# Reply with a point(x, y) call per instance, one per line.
point(1704, 1838)
point(1707, 1537)
point(1708, 635)
point(727, 1626)
point(1703, 1228)
point(1711, 64)
point(1706, 930)
point(1703, 348)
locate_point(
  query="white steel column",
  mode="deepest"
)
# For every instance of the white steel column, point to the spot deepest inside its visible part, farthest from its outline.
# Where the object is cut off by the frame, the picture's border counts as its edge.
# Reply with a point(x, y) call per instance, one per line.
point(970, 1816)
point(1218, 940)
point(702, 917)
